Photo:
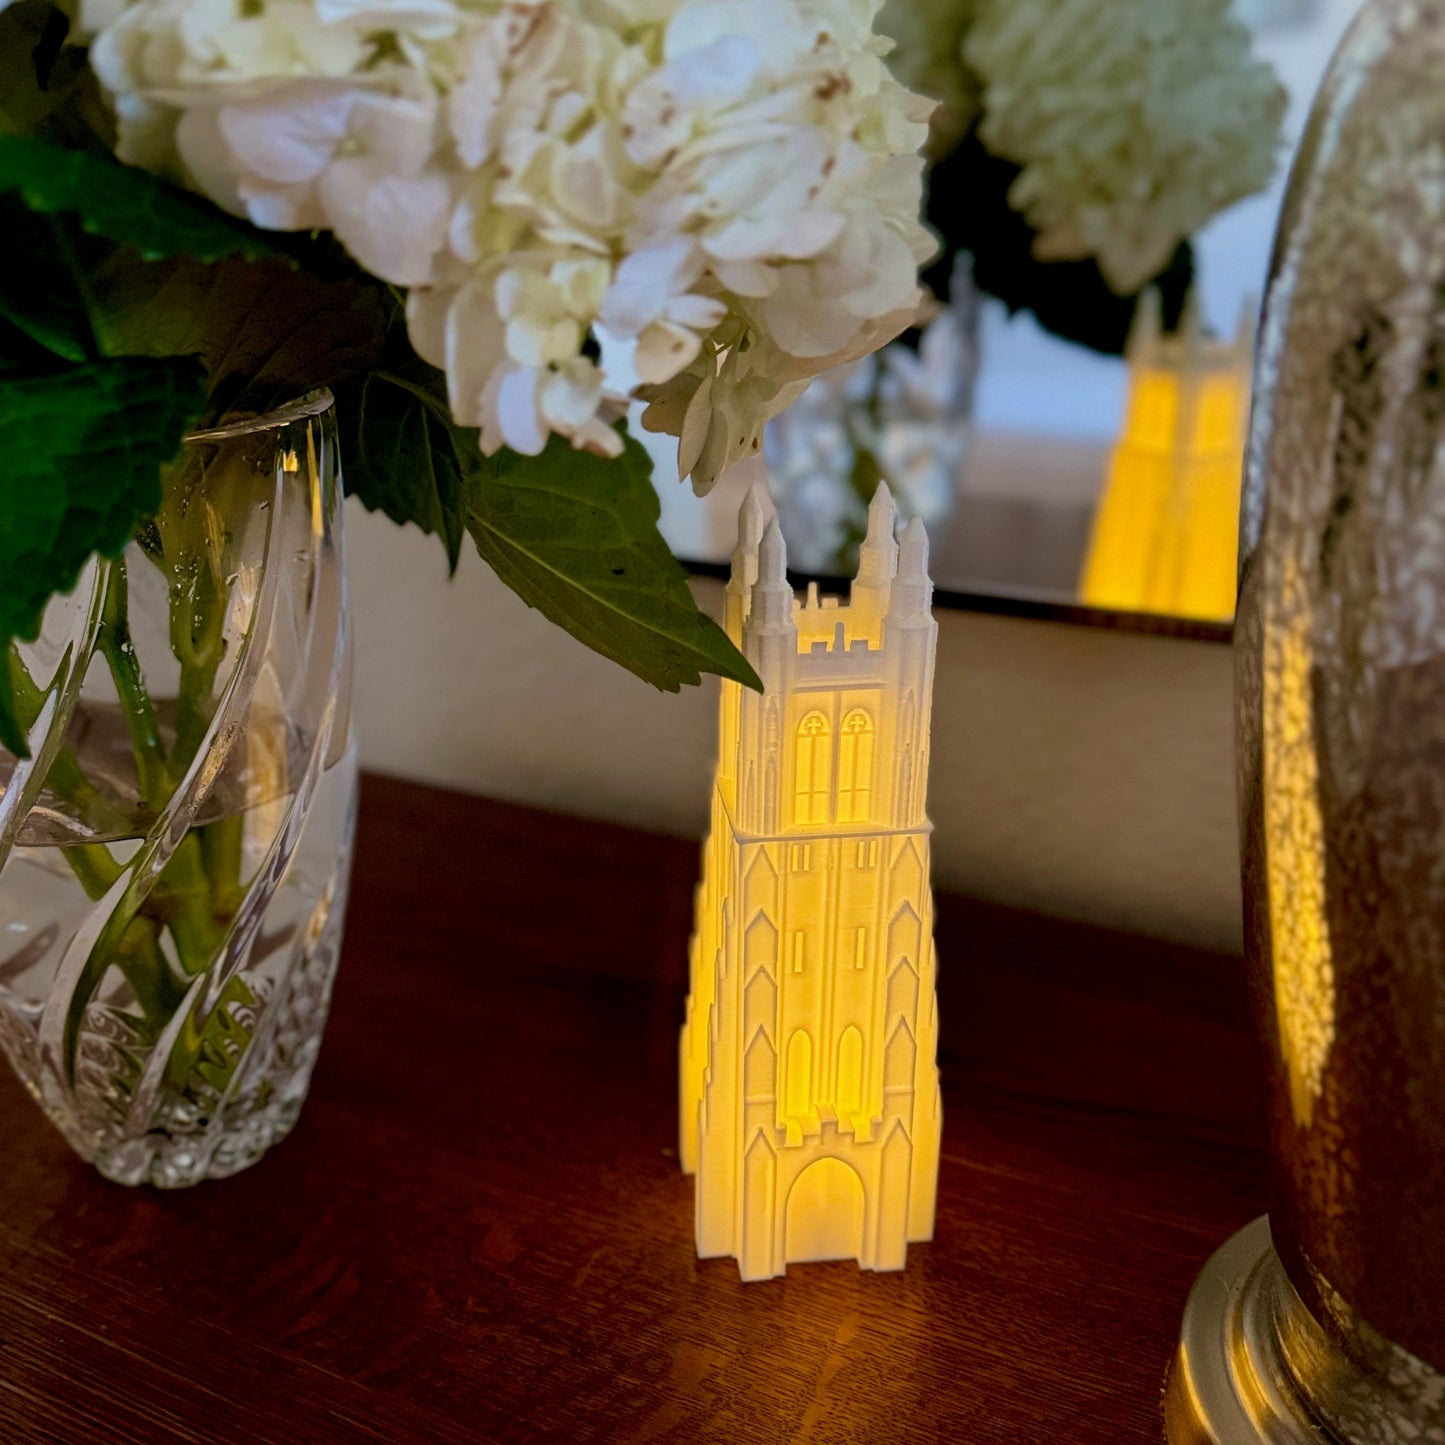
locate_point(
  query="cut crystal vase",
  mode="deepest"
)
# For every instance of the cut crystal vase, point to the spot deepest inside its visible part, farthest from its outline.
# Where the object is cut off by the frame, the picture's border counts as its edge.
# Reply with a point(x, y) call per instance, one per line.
point(174, 851)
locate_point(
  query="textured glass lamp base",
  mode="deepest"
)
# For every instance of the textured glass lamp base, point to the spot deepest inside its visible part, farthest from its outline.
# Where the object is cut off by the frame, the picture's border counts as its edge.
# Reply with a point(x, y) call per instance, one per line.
point(1254, 1365)
point(1227, 1385)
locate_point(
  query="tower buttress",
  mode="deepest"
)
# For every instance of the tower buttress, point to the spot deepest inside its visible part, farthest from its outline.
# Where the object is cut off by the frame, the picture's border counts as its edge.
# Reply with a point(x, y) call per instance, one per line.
point(909, 643)
point(912, 599)
point(770, 643)
point(752, 519)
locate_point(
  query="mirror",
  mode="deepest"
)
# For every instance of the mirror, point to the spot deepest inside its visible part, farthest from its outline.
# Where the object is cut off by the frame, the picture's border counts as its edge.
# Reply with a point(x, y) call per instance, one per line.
point(1055, 480)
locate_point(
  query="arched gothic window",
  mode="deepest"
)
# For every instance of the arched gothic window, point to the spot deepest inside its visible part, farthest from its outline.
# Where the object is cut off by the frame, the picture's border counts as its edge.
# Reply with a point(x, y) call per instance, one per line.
point(850, 1075)
point(799, 1081)
point(855, 769)
point(812, 766)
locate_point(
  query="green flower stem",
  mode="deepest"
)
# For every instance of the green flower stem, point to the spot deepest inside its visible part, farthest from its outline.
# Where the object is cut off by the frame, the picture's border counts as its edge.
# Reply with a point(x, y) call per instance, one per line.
point(198, 620)
point(185, 901)
point(94, 868)
point(140, 718)
point(181, 899)
point(221, 846)
point(143, 963)
point(65, 778)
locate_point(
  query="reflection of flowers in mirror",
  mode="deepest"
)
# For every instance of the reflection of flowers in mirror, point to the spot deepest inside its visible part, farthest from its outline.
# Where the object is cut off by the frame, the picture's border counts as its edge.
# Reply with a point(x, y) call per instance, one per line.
point(904, 415)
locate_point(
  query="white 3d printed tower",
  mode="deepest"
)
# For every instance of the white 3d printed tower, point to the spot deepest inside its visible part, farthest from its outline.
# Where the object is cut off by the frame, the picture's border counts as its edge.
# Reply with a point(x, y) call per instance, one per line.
point(810, 1110)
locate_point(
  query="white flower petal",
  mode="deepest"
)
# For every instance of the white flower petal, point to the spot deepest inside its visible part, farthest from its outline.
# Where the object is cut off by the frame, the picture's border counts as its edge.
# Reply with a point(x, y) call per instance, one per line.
point(692, 434)
point(663, 350)
point(571, 396)
point(645, 281)
point(475, 350)
point(392, 225)
point(290, 136)
point(701, 313)
point(793, 237)
point(518, 417)
point(475, 97)
point(434, 17)
point(747, 278)
point(618, 360)
point(208, 159)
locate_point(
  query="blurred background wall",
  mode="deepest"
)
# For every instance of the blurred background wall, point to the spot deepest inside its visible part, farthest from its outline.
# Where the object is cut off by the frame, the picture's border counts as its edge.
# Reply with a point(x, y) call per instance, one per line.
point(1076, 770)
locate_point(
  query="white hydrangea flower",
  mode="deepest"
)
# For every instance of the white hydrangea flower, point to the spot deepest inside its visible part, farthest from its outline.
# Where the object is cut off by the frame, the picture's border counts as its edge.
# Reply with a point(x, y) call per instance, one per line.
point(1134, 122)
point(702, 203)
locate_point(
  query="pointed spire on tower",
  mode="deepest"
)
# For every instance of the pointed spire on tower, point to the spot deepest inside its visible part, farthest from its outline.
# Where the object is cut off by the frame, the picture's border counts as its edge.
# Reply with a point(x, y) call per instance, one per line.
point(912, 589)
point(772, 608)
point(882, 513)
point(752, 518)
point(773, 554)
point(878, 556)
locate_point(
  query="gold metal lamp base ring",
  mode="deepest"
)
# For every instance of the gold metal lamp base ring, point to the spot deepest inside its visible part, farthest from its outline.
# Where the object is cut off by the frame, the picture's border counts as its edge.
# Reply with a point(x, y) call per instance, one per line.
point(1228, 1384)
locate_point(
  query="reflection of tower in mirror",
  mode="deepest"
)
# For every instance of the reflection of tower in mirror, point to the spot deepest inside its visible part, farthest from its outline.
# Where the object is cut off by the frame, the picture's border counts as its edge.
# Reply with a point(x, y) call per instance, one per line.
point(1165, 534)
point(809, 1089)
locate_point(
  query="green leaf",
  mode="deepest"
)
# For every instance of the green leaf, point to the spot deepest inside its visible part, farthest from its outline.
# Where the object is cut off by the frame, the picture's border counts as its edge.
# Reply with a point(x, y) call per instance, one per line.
point(39, 294)
point(83, 450)
point(124, 204)
point(265, 332)
point(47, 88)
point(403, 455)
point(575, 536)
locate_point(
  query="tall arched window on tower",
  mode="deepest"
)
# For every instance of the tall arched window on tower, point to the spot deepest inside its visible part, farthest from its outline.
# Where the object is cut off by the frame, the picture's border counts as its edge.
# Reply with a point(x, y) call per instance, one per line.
point(799, 1082)
point(855, 769)
point(812, 766)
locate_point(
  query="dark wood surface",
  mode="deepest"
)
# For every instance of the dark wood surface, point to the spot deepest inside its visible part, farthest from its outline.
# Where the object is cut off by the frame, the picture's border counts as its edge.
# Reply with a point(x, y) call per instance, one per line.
point(479, 1233)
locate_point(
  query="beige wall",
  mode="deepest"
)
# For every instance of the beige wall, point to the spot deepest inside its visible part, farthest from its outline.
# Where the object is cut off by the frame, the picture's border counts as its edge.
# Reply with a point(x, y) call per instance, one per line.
point(1076, 771)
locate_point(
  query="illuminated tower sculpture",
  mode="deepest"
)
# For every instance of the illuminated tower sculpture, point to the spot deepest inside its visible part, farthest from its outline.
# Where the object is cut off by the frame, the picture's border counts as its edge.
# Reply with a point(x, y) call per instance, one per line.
point(1166, 531)
point(809, 1087)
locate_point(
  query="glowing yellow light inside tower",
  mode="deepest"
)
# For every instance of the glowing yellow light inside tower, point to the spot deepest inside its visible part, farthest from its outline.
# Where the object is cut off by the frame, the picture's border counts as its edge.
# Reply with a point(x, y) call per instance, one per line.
point(809, 1099)
point(1165, 535)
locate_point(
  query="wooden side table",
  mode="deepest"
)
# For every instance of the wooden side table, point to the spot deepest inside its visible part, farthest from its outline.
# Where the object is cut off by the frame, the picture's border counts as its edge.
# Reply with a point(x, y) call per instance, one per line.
point(479, 1232)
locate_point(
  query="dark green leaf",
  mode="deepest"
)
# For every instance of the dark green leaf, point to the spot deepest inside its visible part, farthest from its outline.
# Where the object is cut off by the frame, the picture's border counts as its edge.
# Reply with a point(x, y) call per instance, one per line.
point(575, 536)
point(124, 204)
point(401, 453)
point(83, 450)
point(39, 292)
point(266, 333)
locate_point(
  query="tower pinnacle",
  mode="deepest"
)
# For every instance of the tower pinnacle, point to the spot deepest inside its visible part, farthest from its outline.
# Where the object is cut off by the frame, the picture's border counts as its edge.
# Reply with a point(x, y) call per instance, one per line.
point(878, 556)
point(912, 589)
point(752, 518)
point(772, 608)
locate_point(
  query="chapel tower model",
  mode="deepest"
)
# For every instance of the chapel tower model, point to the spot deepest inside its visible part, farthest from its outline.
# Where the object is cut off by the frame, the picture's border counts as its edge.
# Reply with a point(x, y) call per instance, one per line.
point(1166, 531)
point(810, 1110)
